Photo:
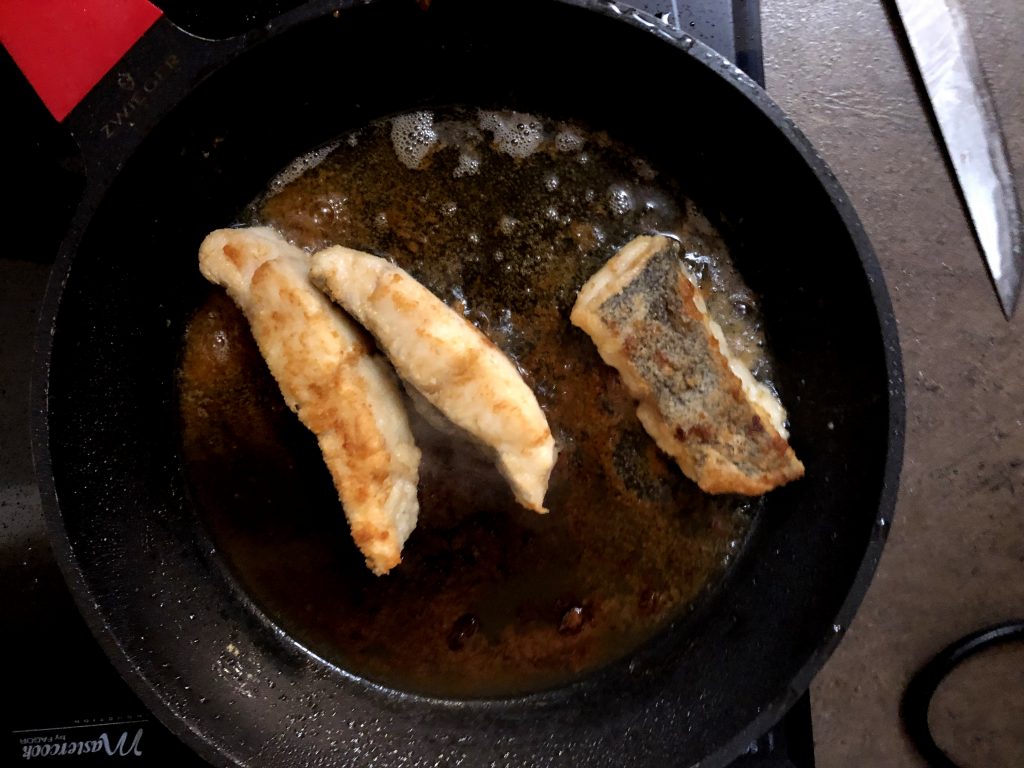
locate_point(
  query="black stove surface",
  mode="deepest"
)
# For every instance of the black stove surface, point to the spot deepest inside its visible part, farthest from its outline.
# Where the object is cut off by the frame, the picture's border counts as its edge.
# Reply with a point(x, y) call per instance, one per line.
point(63, 696)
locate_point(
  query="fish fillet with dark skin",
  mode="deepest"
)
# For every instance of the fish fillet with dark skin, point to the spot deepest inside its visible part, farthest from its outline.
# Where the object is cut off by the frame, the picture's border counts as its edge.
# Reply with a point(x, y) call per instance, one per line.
point(702, 406)
point(345, 395)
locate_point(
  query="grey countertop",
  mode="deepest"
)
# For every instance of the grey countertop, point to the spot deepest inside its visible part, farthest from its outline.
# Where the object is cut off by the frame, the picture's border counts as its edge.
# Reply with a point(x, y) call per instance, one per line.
point(955, 558)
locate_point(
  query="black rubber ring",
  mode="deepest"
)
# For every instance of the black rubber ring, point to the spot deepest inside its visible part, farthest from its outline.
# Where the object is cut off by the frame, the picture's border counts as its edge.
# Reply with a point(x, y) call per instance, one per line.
point(918, 696)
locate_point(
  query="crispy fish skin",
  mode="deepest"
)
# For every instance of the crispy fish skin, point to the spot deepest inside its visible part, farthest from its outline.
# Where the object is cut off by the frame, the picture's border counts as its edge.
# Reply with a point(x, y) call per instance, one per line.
point(648, 319)
point(347, 397)
point(452, 364)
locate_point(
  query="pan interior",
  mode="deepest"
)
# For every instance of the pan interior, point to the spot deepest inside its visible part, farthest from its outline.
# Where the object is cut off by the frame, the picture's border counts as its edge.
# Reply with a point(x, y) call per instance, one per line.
point(504, 215)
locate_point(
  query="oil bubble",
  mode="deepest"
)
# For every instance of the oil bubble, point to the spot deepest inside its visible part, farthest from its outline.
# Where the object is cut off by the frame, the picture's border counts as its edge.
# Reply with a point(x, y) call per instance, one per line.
point(468, 164)
point(412, 137)
point(301, 165)
point(620, 199)
point(515, 133)
point(568, 140)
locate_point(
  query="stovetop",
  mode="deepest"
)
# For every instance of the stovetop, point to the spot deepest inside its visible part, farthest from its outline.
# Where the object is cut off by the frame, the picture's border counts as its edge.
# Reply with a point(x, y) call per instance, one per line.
point(63, 696)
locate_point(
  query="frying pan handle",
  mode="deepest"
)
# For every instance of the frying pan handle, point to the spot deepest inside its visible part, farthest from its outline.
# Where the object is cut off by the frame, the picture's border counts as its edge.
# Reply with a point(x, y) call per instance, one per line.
point(154, 75)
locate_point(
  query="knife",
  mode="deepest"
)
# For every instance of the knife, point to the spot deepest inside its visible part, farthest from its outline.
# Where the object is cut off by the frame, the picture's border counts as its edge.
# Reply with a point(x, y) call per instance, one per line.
point(962, 105)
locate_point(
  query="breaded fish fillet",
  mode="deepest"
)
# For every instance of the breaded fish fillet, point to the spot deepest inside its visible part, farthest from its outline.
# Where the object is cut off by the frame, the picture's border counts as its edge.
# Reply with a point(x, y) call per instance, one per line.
point(702, 406)
point(456, 368)
point(347, 397)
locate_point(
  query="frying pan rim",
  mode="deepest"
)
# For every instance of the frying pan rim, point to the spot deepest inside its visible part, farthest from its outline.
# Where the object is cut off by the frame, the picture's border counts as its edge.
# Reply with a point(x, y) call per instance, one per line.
point(724, 70)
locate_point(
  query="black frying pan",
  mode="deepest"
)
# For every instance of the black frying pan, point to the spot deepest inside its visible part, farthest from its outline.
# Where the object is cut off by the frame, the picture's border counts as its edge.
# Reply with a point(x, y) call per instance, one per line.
point(195, 648)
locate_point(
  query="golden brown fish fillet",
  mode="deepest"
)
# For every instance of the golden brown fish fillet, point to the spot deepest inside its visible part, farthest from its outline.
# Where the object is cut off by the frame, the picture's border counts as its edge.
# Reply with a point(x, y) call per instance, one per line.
point(347, 397)
point(452, 364)
point(702, 406)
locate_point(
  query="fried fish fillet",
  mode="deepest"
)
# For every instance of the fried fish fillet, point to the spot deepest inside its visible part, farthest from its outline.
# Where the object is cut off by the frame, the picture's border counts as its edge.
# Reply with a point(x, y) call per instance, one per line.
point(701, 405)
point(346, 396)
point(452, 364)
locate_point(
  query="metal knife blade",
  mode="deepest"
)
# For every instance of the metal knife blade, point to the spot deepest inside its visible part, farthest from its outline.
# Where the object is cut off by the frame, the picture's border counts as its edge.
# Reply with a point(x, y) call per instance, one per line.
point(962, 105)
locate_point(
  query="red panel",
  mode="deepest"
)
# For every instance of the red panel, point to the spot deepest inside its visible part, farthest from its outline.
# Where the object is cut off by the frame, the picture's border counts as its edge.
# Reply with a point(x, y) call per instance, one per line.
point(64, 47)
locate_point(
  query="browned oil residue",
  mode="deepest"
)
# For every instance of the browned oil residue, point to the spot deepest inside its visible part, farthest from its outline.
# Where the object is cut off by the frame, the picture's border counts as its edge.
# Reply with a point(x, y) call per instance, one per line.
point(490, 599)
